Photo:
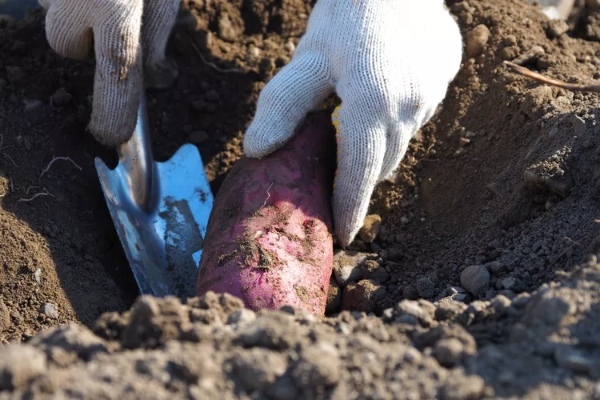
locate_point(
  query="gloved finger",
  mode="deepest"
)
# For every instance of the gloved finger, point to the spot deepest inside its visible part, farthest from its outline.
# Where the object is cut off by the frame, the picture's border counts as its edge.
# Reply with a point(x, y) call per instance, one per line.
point(298, 88)
point(119, 78)
point(159, 18)
point(398, 137)
point(361, 148)
point(68, 29)
point(45, 4)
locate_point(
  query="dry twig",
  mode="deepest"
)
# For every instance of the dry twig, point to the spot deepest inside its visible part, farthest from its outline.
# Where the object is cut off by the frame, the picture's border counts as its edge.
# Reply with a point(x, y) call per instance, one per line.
point(574, 87)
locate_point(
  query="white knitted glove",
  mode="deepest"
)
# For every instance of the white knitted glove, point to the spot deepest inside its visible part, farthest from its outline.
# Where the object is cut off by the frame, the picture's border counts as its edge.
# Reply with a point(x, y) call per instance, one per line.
point(115, 28)
point(390, 62)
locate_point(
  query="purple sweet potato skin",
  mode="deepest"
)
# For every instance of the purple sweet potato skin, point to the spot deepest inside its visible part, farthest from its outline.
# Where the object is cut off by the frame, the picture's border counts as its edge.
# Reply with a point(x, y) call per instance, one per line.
point(269, 237)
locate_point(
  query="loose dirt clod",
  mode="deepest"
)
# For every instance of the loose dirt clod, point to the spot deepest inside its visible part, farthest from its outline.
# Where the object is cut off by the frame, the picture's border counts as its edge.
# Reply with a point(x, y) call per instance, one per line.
point(476, 40)
point(370, 228)
point(475, 279)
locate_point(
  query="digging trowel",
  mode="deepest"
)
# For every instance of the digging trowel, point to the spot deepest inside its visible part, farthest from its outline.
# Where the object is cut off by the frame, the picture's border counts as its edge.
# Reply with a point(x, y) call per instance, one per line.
point(160, 211)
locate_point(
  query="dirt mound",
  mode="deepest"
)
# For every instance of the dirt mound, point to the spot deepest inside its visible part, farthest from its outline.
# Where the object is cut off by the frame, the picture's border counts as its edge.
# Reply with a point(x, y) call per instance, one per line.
point(482, 281)
point(214, 348)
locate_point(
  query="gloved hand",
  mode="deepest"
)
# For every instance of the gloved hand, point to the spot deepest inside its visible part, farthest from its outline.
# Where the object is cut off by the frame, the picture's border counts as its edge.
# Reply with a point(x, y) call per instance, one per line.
point(115, 29)
point(390, 62)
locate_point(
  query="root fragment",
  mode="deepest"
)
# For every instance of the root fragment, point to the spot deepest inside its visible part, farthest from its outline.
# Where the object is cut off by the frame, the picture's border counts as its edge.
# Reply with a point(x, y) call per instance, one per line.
point(54, 159)
point(574, 87)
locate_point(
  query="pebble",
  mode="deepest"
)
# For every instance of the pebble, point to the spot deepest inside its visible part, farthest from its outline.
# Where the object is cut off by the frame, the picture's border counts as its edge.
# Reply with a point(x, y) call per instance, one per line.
point(61, 98)
point(476, 40)
point(346, 274)
point(289, 46)
point(346, 266)
point(370, 229)
point(425, 287)
point(556, 28)
point(49, 310)
point(497, 267)
point(475, 279)
point(32, 105)
point(226, 30)
point(37, 275)
point(253, 54)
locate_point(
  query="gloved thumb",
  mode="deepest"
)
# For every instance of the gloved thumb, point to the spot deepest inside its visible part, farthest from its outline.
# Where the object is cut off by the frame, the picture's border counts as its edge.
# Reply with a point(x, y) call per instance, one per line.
point(297, 89)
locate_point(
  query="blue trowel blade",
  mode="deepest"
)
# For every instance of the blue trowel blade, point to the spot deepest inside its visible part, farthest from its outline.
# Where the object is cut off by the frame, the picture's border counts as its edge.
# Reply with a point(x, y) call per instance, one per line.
point(163, 246)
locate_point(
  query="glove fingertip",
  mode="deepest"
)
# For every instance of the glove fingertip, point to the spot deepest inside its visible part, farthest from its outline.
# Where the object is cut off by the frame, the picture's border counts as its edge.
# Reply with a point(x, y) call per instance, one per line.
point(113, 131)
point(265, 135)
point(45, 4)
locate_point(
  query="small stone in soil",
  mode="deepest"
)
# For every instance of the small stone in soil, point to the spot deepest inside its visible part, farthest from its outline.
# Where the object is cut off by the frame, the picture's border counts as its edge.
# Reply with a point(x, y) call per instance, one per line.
point(32, 105)
point(345, 266)
point(347, 274)
point(475, 279)
point(37, 275)
point(61, 98)
point(476, 40)
point(49, 310)
point(425, 287)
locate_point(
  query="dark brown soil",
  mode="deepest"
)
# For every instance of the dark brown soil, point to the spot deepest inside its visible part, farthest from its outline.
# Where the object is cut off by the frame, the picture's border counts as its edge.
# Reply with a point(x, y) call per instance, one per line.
point(483, 281)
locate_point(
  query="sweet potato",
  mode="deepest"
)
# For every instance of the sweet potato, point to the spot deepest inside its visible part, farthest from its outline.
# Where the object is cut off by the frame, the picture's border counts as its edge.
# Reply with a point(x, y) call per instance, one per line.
point(269, 237)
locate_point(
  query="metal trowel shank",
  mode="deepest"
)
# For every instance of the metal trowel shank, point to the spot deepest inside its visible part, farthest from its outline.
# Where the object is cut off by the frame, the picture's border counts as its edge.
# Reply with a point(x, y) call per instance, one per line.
point(160, 211)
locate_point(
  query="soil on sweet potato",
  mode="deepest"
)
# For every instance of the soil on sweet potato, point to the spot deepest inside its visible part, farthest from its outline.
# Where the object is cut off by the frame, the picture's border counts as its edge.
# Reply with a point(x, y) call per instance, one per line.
point(503, 183)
